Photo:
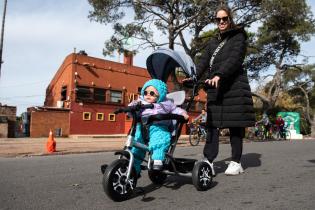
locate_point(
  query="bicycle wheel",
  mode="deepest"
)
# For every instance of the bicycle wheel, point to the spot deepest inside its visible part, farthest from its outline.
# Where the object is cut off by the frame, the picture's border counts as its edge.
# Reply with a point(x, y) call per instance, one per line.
point(287, 135)
point(194, 138)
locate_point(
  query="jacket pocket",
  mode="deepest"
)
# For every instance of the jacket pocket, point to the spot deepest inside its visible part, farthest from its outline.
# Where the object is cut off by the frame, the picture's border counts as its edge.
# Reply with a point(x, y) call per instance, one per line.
point(212, 94)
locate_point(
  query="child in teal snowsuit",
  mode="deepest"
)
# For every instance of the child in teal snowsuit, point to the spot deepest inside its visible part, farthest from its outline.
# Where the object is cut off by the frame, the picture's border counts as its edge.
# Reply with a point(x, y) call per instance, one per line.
point(154, 92)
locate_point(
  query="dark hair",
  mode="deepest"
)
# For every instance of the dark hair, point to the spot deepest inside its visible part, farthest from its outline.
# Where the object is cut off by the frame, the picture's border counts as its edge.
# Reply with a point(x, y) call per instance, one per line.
point(228, 12)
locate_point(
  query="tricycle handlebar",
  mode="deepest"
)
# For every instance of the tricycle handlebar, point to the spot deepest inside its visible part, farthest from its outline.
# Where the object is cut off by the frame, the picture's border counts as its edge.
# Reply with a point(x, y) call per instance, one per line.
point(134, 108)
point(160, 117)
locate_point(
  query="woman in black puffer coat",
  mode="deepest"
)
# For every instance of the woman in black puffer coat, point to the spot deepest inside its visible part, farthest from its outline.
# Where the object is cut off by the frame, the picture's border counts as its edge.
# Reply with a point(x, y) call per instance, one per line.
point(229, 98)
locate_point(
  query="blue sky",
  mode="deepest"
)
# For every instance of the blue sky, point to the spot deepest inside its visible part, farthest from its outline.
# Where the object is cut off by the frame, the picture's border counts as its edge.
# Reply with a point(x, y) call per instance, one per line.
point(39, 34)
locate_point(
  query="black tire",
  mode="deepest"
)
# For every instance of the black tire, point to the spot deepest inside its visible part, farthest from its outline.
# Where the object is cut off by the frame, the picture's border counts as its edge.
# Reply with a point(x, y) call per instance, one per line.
point(260, 135)
point(202, 176)
point(114, 180)
point(157, 177)
point(287, 135)
point(194, 138)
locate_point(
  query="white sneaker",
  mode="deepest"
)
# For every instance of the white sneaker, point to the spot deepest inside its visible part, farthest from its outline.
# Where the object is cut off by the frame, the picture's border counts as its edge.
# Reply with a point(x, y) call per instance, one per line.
point(234, 168)
point(211, 165)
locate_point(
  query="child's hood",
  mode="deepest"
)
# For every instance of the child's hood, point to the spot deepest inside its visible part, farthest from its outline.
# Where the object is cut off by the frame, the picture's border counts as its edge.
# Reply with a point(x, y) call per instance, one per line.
point(159, 85)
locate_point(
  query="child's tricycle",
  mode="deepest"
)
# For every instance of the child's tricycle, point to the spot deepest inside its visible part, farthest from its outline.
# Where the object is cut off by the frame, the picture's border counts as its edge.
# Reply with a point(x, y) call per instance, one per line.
point(120, 177)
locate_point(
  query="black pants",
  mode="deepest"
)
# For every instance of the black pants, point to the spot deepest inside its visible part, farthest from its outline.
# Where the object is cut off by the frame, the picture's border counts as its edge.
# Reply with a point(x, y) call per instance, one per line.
point(211, 148)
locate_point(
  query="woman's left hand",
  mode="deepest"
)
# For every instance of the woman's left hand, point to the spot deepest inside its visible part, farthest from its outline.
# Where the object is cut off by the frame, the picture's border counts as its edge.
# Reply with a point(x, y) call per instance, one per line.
point(213, 82)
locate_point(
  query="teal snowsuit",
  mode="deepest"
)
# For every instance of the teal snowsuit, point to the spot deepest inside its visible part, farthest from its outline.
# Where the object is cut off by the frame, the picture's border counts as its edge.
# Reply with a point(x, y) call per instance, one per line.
point(159, 134)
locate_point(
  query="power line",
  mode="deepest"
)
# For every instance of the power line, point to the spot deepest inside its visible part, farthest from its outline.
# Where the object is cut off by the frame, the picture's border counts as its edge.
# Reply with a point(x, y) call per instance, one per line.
point(30, 96)
point(25, 84)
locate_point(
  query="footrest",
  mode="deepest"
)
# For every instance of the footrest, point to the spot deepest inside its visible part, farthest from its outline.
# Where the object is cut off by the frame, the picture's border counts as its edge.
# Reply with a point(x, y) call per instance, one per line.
point(143, 167)
point(184, 165)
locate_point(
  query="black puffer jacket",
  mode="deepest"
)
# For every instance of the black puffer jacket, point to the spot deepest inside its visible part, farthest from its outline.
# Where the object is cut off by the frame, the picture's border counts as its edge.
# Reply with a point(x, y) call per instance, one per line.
point(231, 104)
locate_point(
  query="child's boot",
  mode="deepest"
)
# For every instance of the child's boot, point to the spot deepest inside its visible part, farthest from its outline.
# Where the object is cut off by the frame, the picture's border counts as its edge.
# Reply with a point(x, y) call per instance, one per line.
point(157, 165)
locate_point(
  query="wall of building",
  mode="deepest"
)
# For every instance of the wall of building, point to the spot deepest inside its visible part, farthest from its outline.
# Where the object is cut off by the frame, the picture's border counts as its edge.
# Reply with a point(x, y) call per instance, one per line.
point(3, 130)
point(63, 78)
point(10, 113)
point(93, 126)
point(80, 70)
point(44, 120)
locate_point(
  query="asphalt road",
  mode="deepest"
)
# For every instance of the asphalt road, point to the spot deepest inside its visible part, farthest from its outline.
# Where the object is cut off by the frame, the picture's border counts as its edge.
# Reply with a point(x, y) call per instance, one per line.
point(278, 175)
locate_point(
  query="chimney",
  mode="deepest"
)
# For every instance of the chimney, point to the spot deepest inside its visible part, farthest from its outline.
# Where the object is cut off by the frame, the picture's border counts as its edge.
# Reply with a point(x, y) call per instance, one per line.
point(128, 57)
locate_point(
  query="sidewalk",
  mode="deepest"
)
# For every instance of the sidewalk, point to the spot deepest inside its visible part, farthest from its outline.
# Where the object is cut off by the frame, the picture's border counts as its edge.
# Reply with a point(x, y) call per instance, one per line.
point(26, 147)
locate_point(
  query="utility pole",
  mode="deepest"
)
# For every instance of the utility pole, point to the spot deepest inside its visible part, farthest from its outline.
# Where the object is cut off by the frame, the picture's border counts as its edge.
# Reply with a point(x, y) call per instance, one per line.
point(2, 32)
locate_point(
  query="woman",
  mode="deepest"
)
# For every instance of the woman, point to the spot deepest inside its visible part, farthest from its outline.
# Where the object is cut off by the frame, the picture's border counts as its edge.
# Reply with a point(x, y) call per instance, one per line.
point(229, 99)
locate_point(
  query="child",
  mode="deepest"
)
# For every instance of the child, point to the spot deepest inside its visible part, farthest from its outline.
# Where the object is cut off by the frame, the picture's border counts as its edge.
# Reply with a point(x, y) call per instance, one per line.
point(154, 92)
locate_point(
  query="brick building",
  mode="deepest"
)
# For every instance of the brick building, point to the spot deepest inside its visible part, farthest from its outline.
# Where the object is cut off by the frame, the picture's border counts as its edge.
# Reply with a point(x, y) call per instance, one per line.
point(7, 121)
point(84, 93)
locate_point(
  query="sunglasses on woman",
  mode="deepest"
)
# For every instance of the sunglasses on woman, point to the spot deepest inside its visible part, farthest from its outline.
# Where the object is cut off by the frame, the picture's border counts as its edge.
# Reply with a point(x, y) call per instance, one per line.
point(225, 19)
point(151, 93)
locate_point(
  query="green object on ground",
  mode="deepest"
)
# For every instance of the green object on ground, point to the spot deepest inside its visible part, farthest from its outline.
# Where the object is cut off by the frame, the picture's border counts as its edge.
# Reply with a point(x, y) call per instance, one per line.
point(292, 120)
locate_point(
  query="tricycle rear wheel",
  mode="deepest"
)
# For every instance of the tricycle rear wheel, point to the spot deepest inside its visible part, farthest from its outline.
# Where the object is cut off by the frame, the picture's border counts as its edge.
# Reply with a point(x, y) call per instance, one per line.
point(157, 177)
point(202, 176)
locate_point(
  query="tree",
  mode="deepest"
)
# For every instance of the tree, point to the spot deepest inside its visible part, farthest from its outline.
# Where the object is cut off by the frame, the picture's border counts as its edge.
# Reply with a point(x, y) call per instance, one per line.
point(181, 21)
point(300, 83)
point(174, 19)
point(286, 23)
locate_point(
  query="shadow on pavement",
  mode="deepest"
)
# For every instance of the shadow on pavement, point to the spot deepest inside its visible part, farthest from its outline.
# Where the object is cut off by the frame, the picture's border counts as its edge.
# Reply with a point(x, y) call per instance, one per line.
point(173, 182)
point(248, 160)
point(311, 161)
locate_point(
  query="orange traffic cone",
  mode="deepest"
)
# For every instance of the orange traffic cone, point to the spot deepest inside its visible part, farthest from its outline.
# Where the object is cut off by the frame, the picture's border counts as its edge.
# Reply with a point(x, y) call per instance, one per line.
point(51, 143)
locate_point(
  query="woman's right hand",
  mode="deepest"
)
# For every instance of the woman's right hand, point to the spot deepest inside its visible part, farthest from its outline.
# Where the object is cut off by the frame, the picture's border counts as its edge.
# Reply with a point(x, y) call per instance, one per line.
point(213, 82)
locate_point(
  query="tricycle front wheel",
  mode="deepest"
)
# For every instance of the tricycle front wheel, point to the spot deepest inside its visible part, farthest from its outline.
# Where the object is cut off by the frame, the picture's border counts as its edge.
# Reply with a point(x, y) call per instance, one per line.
point(115, 182)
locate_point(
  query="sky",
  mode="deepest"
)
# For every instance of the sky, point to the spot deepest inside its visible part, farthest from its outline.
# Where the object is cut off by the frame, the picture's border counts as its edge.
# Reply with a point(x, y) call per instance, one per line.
point(39, 34)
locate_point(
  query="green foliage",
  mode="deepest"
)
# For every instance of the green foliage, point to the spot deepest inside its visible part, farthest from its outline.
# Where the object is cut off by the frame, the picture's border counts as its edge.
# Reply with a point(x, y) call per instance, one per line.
point(296, 79)
point(171, 19)
point(285, 24)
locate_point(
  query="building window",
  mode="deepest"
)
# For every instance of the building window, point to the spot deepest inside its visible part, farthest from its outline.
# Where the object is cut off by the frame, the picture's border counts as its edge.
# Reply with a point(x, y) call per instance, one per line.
point(111, 117)
point(64, 93)
point(83, 93)
point(128, 118)
point(99, 95)
point(99, 116)
point(115, 96)
point(86, 115)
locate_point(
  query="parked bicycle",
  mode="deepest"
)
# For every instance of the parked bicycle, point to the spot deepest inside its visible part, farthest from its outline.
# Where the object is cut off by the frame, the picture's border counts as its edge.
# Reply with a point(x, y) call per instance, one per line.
point(261, 132)
point(281, 134)
point(197, 133)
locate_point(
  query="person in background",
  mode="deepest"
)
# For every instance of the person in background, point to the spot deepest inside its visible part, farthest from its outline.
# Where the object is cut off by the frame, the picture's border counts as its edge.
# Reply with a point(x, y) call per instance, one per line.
point(266, 123)
point(280, 125)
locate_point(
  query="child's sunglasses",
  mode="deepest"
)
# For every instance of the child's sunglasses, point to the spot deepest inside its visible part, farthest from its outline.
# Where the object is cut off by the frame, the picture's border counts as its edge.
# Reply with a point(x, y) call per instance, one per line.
point(226, 18)
point(151, 93)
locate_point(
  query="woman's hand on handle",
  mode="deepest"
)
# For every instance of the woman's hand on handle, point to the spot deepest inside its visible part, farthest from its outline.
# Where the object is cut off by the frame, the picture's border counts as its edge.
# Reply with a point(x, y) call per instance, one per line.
point(213, 82)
